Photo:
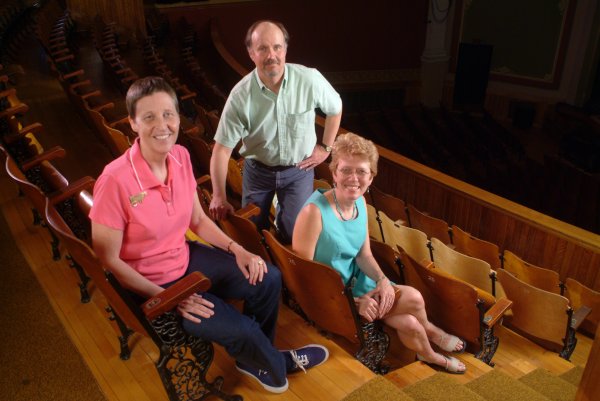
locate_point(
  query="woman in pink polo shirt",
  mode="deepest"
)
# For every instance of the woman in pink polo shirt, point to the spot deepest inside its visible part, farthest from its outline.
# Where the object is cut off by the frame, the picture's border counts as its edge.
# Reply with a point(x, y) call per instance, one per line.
point(144, 202)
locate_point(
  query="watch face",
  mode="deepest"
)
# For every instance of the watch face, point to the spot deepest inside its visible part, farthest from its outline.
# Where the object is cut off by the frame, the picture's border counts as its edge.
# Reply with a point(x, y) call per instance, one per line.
point(327, 148)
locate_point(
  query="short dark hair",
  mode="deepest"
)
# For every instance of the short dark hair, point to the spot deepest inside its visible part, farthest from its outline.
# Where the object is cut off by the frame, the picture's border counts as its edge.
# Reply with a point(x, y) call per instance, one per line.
point(145, 87)
point(248, 41)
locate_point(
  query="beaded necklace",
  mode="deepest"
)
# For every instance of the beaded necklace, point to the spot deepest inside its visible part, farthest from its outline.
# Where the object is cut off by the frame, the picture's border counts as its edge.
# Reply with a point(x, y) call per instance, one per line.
point(339, 209)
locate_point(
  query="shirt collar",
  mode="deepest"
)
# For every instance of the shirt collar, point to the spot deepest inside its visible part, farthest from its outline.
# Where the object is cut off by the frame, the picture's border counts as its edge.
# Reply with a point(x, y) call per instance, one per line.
point(147, 179)
point(262, 85)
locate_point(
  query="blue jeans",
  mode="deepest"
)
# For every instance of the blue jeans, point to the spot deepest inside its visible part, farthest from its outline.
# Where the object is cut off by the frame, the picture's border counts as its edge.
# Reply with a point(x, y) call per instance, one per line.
point(292, 186)
point(247, 337)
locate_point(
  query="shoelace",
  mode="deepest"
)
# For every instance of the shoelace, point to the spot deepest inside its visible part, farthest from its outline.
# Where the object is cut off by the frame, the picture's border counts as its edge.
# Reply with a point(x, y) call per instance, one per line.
point(300, 361)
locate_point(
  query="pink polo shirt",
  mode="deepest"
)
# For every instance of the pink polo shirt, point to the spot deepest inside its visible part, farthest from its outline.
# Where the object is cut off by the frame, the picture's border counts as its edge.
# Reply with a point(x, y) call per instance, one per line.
point(153, 224)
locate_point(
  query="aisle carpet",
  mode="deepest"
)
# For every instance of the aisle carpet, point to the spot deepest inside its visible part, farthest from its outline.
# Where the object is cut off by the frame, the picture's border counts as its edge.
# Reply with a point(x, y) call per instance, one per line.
point(39, 361)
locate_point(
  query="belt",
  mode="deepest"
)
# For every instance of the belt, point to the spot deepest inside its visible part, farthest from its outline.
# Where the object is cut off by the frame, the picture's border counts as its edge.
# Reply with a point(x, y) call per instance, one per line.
point(271, 168)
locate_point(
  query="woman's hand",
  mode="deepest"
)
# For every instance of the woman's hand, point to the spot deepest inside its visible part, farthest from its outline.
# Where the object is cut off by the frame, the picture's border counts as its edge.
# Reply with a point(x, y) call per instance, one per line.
point(367, 306)
point(384, 293)
point(251, 265)
point(197, 305)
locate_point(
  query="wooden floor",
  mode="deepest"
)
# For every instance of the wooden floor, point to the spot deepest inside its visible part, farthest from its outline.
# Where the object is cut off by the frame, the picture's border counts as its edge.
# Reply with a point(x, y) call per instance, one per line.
point(136, 379)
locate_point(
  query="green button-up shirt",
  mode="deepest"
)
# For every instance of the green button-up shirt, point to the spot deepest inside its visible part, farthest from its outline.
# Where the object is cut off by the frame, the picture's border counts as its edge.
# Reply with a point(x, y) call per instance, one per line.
point(277, 129)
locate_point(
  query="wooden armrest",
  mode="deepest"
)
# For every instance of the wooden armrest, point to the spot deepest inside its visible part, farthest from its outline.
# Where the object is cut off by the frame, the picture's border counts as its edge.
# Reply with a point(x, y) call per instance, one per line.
point(8, 92)
point(29, 129)
point(90, 94)
point(248, 211)
point(80, 83)
point(72, 189)
point(169, 298)
point(205, 179)
point(129, 78)
point(101, 107)
point(73, 74)
point(11, 111)
point(64, 58)
point(122, 70)
point(51, 154)
point(579, 316)
point(123, 120)
point(498, 310)
point(190, 95)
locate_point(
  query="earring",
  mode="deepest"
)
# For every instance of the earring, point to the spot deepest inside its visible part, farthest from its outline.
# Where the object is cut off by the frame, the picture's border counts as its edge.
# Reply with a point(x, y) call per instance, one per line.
point(368, 189)
point(334, 184)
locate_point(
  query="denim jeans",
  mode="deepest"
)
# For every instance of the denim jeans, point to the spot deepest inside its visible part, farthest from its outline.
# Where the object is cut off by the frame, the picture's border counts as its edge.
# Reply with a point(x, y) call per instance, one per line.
point(292, 186)
point(247, 337)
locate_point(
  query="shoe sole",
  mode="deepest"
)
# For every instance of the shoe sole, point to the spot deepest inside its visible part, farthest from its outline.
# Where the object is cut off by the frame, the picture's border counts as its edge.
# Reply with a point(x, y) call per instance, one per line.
point(276, 390)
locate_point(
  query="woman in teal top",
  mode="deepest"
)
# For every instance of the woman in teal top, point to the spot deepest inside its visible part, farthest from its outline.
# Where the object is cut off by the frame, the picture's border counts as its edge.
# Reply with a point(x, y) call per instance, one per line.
point(332, 229)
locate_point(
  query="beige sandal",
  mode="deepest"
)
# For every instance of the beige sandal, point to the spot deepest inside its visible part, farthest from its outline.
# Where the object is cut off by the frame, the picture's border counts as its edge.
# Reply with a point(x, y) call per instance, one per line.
point(448, 343)
point(452, 364)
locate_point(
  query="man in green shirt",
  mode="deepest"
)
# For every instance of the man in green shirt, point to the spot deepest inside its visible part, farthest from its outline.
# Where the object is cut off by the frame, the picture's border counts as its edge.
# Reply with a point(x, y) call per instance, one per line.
point(272, 111)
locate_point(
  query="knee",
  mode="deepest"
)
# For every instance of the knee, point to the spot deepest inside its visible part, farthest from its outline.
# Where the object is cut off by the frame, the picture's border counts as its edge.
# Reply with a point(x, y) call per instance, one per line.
point(273, 278)
point(413, 299)
point(409, 325)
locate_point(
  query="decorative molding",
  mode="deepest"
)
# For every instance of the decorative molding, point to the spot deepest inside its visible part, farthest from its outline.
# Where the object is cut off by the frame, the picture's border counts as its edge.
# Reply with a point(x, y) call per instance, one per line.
point(373, 77)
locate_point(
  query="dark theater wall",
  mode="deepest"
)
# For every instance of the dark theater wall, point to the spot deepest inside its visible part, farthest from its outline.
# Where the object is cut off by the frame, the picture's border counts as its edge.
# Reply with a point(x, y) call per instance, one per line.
point(334, 35)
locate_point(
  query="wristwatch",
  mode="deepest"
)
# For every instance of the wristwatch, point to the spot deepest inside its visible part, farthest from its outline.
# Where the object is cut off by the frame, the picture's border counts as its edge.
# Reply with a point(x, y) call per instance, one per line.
point(326, 147)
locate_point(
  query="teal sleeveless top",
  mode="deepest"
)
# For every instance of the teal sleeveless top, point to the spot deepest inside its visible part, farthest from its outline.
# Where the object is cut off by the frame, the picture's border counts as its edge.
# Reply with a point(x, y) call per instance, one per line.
point(340, 241)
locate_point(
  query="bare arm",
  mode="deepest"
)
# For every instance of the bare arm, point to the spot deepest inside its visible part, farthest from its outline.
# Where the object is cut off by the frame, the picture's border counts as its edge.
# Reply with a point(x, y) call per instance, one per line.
point(219, 207)
point(319, 154)
point(307, 229)
point(107, 245)
point(252, 266)
point(383, 292)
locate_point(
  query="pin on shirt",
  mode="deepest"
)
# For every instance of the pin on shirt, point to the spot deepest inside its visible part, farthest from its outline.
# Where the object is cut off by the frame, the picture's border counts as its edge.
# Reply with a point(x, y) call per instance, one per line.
point(137, 199)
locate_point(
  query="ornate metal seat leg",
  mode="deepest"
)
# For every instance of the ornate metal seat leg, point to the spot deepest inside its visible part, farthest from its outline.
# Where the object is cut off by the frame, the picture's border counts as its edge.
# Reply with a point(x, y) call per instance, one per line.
point(126, 332)
point(184, 361)
point(83, 280)
point(489, 345)
point(375, 347)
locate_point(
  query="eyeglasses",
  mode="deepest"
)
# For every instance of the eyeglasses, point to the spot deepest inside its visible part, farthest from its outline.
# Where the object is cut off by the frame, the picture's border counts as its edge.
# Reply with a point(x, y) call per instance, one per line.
point(360, 172)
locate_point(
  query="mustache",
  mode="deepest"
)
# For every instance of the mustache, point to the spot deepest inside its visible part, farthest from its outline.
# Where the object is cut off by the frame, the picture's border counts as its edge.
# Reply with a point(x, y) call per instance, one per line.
point(272, 61)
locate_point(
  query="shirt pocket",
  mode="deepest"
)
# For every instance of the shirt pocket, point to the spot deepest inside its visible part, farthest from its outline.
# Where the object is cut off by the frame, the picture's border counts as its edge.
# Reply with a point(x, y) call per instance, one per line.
point(299, 124)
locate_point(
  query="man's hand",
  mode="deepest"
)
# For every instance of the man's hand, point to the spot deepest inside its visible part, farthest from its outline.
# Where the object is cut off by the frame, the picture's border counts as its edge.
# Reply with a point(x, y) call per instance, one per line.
point(219, 208)
point(317, 157)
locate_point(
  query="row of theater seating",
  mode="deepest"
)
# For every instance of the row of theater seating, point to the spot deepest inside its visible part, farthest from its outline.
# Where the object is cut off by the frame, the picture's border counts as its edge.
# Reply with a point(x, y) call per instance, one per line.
point(366, 338)
point(539, 308)
point(63, 209)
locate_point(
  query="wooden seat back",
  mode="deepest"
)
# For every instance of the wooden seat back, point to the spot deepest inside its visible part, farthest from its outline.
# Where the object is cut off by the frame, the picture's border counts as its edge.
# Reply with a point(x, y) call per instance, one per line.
point(545, 279)
point(393, 207)
point(101, 129)
point(243, 231)
point(318, 289)
point(579, 295)
point(538, 314)
point(374, 224)
point(234, 177)
point(320, 184)
point(83, 255)
point(412, 241)
point(451, 303)
point(388, 260)
point(472, 246)
point(200, 151)
point(473, 271)
point(432, 226)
